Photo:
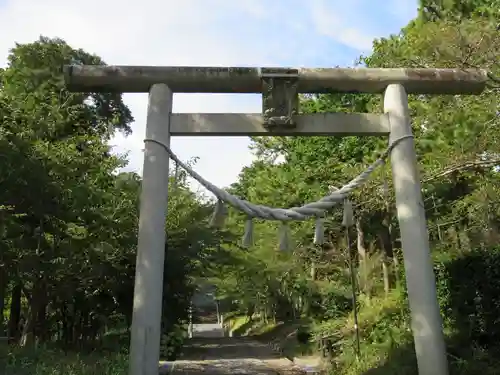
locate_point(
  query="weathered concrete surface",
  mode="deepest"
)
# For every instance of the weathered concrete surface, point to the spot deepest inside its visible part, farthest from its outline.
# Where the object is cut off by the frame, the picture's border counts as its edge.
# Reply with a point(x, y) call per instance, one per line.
point(95, 78)
point(252, 124)
point(229, 355)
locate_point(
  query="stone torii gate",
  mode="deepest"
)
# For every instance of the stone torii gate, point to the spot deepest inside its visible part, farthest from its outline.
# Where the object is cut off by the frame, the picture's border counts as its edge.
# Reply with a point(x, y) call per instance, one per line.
point(280, 116)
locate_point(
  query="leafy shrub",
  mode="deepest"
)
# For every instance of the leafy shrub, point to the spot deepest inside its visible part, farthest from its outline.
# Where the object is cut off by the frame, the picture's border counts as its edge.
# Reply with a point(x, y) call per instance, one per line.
point(171, 342)
point(303, 335)
point(469, 294)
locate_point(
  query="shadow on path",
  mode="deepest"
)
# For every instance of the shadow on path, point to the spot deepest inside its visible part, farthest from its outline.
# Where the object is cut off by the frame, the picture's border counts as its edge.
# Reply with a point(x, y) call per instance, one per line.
point(208, 348)
point(229, 355)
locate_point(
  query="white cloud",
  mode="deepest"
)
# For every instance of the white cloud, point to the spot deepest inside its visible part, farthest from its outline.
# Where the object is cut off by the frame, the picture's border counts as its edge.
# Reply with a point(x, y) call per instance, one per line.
point(151, 32)
point(196, 32)
point(357, 22)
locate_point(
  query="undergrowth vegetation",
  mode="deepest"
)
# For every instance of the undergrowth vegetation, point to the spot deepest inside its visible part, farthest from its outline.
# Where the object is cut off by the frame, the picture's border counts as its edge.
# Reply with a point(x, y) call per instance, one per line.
point(386, 342)
point(47, 361)
point(69, 221)
point(470, 321)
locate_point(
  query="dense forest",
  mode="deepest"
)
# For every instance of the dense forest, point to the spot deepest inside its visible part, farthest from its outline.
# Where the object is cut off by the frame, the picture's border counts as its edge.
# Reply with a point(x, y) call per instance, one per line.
point(69, 220)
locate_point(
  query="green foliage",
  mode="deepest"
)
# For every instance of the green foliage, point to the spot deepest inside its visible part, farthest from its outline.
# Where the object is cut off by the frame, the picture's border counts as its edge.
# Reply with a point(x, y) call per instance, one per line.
point(434, 10)
point(47, 360)
point(457, 141)
point(328, 302)
point(384, 329)
point(471, 307)
point(69, 219)
point(171, 342)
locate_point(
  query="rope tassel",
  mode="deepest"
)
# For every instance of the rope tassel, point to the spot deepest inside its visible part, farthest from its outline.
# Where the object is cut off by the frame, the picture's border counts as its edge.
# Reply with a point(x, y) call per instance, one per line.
point(247, 240)
point(348, 219)
point(219, 216)
point(319, 231)
point(285, 237)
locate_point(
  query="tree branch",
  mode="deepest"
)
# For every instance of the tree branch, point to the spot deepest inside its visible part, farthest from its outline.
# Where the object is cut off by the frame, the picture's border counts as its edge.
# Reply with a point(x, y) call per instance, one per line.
point(445, 172)
point(462, 167)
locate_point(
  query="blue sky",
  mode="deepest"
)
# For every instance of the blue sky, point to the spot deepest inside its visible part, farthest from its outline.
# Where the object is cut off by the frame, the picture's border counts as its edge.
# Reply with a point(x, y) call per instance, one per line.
point(298, 33)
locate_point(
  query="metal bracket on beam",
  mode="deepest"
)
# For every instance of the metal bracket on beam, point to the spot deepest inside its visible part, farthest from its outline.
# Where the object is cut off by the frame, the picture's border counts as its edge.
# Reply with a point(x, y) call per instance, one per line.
point(280, 97)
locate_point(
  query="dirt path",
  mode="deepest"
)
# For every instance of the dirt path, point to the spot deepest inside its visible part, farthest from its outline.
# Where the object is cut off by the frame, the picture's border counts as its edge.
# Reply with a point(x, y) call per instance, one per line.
point(230, 355)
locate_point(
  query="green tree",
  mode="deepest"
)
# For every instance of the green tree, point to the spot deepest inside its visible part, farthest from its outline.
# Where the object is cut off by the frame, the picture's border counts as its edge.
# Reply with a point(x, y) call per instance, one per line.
point(69, 220)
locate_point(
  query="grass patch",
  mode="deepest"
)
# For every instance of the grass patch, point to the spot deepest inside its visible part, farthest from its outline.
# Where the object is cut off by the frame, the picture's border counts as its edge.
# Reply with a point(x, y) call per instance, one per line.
point(278, 334)
point(109, 356)
point(387, 343)
point(51, 361)
point(281, 335)
point(236, 324)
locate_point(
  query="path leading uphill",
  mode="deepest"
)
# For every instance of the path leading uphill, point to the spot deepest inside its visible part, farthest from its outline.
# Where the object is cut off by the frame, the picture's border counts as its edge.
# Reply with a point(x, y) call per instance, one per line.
point(229, 356)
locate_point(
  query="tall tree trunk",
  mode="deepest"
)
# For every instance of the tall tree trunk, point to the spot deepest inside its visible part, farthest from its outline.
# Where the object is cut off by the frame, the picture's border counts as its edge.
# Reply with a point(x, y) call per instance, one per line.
point(362, 255)
point(27, 337)
point(3, 269)
point(3, 291)
point(465, 240)
point(84, 326)
point(66, 329)
point(492, 233)
point(15, 313)
point(455, 238)
point(397, 267)
point(41, 329)
point(386, 245)
point(313, 270)
point(35, 325)
point(386, 274)
point(37, 298)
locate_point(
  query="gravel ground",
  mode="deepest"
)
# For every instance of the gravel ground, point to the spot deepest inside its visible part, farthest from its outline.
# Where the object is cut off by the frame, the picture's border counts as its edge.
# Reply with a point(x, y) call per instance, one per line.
point(229, 355)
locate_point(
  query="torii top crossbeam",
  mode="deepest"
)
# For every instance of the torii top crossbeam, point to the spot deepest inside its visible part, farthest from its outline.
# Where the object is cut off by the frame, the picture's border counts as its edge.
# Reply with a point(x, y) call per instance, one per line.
point(96, 78)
